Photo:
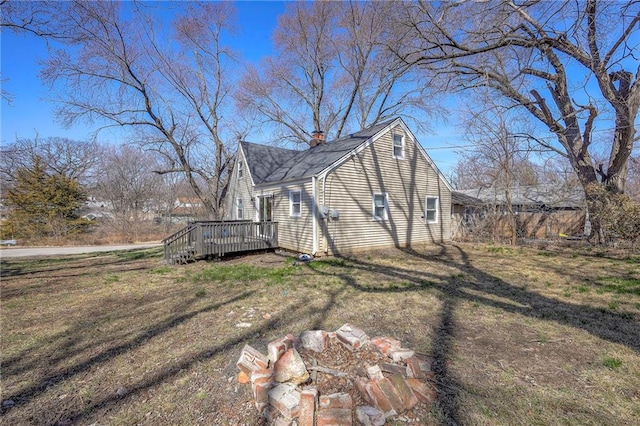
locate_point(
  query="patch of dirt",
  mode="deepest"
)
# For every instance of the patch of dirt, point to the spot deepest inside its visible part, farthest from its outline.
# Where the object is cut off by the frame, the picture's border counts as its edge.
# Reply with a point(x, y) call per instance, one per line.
point(352, 363)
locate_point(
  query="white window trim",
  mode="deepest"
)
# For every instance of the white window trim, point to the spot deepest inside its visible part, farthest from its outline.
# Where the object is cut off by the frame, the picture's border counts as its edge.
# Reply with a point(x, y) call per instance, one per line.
point(436, 209)
point(291, 203)
point(386, 207)
point(402, 147)
point(239, 209)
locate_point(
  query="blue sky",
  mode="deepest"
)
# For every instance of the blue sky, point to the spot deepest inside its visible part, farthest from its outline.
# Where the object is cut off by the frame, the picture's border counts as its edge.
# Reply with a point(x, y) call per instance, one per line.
point(31, 112)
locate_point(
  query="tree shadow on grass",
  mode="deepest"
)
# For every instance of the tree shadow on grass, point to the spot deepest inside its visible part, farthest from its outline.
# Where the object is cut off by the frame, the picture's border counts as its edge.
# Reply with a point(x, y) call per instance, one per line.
point(26, 394)
point(20, 266)
point(475, 285)
point(120, 347)
point(471, 284)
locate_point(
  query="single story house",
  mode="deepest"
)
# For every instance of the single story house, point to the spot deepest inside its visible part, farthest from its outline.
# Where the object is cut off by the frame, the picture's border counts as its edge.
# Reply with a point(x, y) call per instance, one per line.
point(374, 188)
point(541, 211)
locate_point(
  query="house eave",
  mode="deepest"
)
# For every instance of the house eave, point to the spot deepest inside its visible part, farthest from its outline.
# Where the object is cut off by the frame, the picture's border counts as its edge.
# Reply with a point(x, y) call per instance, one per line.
point(266, 185)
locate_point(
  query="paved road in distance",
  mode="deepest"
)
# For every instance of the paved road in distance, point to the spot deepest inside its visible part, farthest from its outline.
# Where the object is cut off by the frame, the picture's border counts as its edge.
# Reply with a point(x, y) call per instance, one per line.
point(12, 252)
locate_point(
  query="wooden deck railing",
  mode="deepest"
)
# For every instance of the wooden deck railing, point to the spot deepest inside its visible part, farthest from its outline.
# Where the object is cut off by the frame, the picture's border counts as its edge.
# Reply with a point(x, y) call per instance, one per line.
point(216, 238)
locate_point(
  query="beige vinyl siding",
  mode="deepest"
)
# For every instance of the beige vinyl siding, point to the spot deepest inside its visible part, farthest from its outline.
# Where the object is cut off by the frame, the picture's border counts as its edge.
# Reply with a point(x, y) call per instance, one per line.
point(240, 188)
point(407, 182)
point(294, 233)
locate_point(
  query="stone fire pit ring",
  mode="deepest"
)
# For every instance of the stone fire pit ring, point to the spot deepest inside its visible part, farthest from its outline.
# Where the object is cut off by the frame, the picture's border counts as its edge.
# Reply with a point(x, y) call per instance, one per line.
point(336, 378)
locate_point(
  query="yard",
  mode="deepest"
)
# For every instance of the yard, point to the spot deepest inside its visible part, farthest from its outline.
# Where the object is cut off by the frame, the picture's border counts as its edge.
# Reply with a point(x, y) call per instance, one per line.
point(517, 335)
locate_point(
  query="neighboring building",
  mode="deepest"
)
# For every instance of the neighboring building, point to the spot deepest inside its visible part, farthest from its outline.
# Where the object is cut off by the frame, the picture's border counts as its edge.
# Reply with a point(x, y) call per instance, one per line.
point(542, 211)
point(465, 209)
point(374, 188)
point(186, 209)
point(96, 209)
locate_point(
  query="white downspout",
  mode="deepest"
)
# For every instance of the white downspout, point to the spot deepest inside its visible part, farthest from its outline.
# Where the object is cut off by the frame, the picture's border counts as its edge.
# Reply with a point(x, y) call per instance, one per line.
point(314, 222)
point(324, 203)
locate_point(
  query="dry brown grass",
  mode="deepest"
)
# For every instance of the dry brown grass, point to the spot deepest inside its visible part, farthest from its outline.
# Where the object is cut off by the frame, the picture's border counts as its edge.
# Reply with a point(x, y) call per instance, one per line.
point(517, 335)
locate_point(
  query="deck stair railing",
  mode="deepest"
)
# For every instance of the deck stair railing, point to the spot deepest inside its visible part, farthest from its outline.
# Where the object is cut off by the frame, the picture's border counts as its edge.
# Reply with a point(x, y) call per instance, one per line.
point(216, 238)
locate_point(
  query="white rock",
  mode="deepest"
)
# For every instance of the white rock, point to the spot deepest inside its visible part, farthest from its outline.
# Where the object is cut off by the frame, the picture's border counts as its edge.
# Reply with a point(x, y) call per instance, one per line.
point(290, 368)
point(315, 340)
point(370, 416)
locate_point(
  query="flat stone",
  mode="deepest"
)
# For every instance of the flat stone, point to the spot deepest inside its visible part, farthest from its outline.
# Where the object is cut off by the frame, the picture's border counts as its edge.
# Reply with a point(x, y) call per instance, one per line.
point(308, 402)
point(251, 359)
point(286, 399)
point(384, 344)
point(334, 417)
point(400, 354)
point(278, 347)
point(424, 393)
point(389, 390)
point(261, 396)
point(406, 394)
point(381, 401)
point(418, 368)
point(291, 368)
point(393, 368)
point(336, 400)
point(335, 410)
point(315, 340)
point(374, 372)
point(370, 416)
point(351, 336)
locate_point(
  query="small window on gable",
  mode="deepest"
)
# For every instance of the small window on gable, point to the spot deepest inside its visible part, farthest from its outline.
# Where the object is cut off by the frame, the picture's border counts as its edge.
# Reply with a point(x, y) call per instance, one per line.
point(295, 203)
point(431, 210)
point(380, 206)
point(239, 209)
point(240, 169)
point(398, 146)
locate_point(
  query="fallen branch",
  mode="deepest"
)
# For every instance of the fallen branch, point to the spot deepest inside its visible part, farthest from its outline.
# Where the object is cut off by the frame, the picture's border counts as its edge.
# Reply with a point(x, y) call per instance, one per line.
point(328, 371)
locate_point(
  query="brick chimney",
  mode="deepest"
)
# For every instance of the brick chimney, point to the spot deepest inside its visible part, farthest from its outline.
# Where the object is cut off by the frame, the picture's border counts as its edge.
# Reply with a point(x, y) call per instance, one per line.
point(317, 138)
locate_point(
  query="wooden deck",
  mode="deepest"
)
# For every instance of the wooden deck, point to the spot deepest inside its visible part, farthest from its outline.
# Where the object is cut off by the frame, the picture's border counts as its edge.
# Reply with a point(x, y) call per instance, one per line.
point(217, 238)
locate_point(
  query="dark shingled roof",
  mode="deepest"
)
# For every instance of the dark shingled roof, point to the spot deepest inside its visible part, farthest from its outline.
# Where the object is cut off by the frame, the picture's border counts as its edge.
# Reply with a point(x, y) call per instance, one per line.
point(270, 164)
point(464, 199)
point(554, 196)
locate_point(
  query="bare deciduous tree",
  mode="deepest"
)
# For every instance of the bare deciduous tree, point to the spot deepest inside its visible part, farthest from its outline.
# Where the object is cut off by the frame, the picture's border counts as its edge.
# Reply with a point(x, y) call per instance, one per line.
point(331, 72)
point(129, 186)
point(167, 84)
point(571, 65)
point(498, 156)
point(59, 156)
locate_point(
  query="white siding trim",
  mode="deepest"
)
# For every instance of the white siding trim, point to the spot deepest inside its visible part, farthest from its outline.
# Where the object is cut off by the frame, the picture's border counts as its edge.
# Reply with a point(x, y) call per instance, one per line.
point(279, 184)
point(247, 170)
point(314, 217)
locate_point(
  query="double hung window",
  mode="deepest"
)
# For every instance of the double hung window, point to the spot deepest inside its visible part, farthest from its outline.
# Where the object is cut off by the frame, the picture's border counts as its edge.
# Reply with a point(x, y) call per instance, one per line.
point(431, 210)
point(295, 203)
point(398, 146)
point(380, 206)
